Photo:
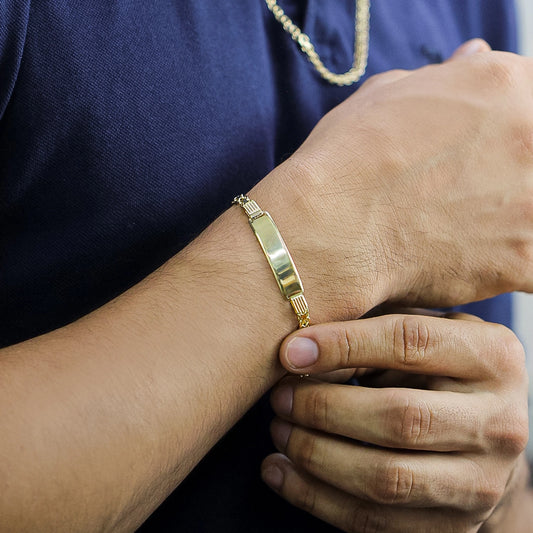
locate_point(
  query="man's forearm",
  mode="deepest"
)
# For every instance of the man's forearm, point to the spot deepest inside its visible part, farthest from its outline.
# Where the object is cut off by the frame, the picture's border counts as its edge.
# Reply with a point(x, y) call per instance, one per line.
point(109, 414)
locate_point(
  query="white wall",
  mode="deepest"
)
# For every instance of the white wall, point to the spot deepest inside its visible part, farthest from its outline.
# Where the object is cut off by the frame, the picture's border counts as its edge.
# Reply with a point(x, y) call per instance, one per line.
point(524, 302)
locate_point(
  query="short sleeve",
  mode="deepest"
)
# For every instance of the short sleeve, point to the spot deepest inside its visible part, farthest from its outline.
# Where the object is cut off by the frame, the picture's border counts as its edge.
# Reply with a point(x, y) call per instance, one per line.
point(14, 15)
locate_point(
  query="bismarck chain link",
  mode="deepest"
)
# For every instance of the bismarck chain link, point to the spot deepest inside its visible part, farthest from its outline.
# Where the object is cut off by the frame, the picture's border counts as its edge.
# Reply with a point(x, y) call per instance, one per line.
point(240, 200)
point(250, 206)
point(361, 43)
point(301, 310)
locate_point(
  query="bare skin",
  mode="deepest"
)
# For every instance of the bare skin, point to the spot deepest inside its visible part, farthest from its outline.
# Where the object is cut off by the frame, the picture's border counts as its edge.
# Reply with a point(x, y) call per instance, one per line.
point(417, 123)
point(448, 419)
point(360, 489)
point(399, 191)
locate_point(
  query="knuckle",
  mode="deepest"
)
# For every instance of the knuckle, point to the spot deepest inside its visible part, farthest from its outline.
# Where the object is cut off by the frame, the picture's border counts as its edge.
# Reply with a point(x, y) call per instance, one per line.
point(507, 354)
point(515, 439)
point(409, 421)
point(346, 346)
point(509, 433)
point(411, 340)
point(305, 497)
point(487, 495)
point(480, 492)
point(393, 483)
point(487, 498)
point(502, 73)
point(316, 407)
point(305, 450)
point(362, 520)
point(414, 423)
point(497, 70)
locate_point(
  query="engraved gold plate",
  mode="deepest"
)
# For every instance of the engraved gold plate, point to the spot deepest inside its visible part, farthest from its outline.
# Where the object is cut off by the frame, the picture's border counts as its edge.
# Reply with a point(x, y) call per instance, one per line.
point(277, 254)
point(278, 257)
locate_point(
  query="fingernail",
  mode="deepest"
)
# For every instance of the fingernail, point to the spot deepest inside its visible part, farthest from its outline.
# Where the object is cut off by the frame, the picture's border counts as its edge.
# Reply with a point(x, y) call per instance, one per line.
point(472, 47)
point(302, 352)
point(273, 476)
point(280, 431)
point(281, 400)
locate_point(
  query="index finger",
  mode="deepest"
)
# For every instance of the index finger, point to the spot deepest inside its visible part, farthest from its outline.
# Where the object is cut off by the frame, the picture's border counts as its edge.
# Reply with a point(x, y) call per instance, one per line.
point(412, 343)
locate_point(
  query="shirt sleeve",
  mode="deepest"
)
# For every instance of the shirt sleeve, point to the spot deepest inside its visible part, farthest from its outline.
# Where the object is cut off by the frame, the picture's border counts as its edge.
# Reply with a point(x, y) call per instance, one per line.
point(14, 15)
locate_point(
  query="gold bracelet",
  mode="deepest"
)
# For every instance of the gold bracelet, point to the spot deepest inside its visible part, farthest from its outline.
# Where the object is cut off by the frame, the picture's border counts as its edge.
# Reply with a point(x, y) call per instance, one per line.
point(278, 257)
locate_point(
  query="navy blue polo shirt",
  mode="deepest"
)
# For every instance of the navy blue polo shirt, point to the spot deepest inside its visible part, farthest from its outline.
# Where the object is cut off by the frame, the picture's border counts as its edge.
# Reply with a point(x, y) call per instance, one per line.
point(126, 127)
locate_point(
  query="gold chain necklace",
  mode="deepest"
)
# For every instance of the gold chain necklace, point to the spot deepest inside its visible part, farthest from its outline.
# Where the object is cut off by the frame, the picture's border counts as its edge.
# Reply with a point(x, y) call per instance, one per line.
point(360, 53)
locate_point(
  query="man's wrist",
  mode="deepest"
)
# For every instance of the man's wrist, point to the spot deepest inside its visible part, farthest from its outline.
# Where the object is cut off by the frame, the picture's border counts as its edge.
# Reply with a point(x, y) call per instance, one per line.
point(344, 271)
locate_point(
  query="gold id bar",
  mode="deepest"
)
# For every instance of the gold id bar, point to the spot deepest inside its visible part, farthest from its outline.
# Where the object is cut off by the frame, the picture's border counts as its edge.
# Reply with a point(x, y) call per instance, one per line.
point(278, 257)
point(277, 254)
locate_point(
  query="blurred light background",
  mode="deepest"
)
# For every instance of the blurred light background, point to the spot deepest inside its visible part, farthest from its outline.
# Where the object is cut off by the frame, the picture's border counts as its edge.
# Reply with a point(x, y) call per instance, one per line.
point(523, 303)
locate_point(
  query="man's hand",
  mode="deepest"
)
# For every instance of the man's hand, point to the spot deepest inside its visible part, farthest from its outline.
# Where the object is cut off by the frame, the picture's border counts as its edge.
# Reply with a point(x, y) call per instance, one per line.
point(417, 189)
point(403, 459)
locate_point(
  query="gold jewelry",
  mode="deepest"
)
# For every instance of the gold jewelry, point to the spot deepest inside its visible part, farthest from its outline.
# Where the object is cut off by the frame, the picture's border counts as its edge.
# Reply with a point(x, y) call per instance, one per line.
point(278, 257)
point(360, 53)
